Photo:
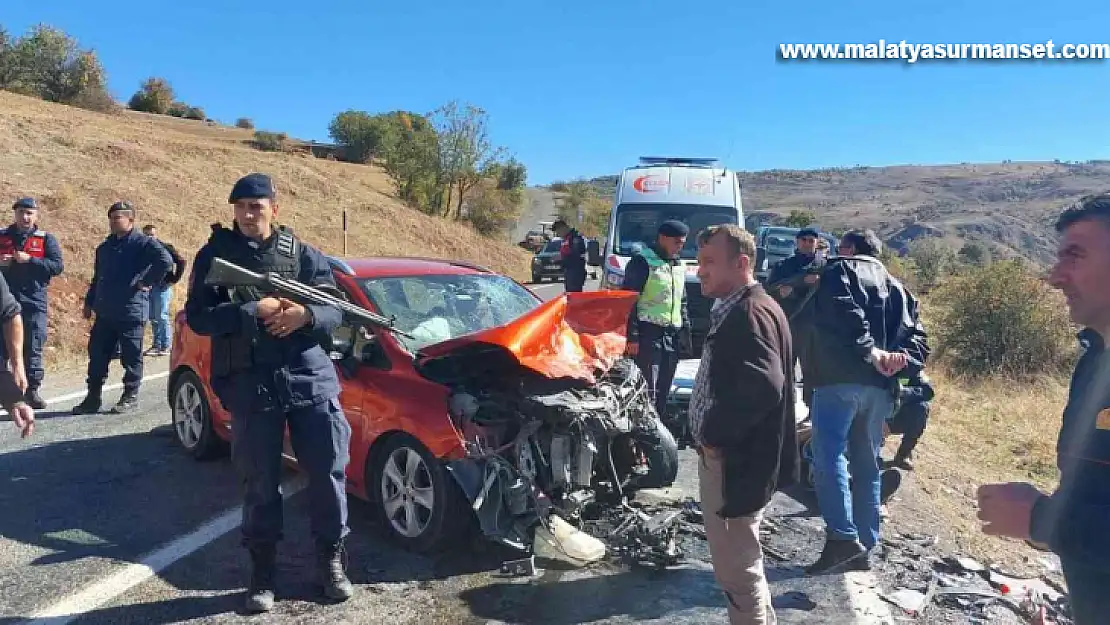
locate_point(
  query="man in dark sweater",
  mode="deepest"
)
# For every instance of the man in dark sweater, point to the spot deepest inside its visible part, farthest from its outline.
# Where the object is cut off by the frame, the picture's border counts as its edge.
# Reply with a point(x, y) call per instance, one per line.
point(1073, 521)
point(741, 417)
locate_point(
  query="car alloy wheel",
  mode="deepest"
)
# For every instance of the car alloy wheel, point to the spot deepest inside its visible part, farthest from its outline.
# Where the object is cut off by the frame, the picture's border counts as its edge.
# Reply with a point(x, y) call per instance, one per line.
point(407, 492)
point(192, 420)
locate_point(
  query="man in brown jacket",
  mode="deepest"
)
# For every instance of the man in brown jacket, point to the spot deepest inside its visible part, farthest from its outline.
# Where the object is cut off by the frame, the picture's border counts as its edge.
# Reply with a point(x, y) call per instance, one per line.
point(741, 417)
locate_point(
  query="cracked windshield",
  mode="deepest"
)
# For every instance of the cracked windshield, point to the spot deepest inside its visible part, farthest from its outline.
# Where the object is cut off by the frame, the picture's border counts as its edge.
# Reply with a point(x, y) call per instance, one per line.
point(437, 308)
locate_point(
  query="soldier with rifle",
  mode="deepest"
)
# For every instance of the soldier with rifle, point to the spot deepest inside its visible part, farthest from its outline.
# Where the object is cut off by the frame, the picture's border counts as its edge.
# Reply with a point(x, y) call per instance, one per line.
point(269, 368)
point(793, 282)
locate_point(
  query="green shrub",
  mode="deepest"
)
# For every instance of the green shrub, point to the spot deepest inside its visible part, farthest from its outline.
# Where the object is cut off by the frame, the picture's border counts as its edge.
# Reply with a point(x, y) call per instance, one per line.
point(155, 95)
point(270, 141)
point(1001, 318)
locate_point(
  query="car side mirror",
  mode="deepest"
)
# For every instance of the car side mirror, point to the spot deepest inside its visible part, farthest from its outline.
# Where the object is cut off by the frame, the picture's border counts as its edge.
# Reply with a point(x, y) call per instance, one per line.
point(593, 253)
point(369, 350)
point(342, 340)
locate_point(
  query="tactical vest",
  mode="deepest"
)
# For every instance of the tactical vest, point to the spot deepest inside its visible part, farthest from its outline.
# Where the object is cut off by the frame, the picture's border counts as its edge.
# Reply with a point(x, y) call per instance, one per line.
point(281, 256)
point(660, 301)
point(35, 245)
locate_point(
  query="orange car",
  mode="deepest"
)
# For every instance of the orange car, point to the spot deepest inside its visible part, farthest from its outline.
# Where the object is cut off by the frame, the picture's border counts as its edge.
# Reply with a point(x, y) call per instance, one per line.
point(502, 408)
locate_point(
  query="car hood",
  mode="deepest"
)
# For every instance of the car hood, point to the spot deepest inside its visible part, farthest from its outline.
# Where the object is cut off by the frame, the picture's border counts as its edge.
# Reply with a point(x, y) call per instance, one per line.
point(575, 335)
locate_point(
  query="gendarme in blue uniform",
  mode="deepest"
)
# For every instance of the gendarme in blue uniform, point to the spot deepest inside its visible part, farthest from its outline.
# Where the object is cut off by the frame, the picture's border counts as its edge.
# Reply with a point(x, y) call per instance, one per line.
point(267, 382)
point(29, 281)
point(1074, 522)
point(126, 265)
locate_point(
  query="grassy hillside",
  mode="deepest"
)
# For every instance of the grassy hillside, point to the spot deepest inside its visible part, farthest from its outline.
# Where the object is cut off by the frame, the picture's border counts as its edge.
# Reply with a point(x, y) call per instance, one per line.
point(1008, 206)
point(178, 173)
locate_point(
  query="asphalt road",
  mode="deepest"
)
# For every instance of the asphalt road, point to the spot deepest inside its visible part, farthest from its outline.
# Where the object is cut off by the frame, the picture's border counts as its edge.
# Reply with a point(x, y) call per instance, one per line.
point(105, 521)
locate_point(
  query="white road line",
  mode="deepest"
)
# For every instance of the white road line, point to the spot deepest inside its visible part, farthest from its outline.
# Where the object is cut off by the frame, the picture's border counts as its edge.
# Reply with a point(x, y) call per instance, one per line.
point(110, 387)
point(114, 585)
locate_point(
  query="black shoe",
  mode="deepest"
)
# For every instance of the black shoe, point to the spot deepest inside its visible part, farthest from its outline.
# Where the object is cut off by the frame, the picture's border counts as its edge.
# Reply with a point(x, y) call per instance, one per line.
point(34, 399)
point(260, 594)
point(838, 555)
point(332, 573)
point(889, 482)
point(128, 402)
point(89, 405)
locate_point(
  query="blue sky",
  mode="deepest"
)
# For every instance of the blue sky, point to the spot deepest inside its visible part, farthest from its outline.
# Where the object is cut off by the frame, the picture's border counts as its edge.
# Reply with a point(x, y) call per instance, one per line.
point(584, 87)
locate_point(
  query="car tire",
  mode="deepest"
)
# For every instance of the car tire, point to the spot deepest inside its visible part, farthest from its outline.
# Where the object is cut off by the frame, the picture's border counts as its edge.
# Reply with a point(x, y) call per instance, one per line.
point(661, 451)
point(191, 419)
point(536, 278)
point(434, 529)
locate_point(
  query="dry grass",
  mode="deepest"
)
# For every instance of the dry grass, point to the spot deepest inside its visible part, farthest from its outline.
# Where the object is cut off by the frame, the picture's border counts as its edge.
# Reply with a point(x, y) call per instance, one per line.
point(978, 433)
point(178, 173)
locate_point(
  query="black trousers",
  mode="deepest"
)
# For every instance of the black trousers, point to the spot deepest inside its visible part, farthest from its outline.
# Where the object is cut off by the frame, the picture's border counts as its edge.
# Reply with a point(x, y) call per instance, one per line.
point(105, 335)
point(320, 436)
point(574, 279)
point(802, 339)
point(910, 422)
point(657, 357)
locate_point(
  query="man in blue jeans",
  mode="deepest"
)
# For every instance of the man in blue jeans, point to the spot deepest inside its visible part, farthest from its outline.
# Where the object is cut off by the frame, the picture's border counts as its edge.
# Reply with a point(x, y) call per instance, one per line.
point(161, 295)
point(866, 331)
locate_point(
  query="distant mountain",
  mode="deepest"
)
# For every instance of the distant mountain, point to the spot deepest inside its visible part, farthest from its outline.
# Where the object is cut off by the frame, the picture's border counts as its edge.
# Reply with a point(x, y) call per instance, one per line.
point(1010, 206)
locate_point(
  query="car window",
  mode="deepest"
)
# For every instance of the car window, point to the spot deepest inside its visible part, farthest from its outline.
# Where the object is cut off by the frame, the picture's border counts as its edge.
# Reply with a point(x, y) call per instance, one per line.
point(436, 308)
point(553, 245)
point(638, 224)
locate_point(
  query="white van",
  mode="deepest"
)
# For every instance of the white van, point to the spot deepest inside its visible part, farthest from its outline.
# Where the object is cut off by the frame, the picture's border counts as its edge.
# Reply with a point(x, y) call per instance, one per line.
point(696, 191)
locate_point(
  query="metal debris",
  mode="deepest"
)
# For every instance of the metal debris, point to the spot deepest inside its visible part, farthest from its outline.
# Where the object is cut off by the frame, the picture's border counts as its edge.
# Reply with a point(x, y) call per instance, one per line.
point(525, 567)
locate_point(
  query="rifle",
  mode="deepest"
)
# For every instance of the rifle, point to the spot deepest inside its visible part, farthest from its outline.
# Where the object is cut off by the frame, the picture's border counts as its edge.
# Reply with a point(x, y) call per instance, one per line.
point(232, 276)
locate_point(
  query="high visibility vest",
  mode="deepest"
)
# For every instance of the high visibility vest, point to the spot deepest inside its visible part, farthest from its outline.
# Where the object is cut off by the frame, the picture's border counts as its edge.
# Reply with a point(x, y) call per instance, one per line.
point(35, 245)
point(660, 302)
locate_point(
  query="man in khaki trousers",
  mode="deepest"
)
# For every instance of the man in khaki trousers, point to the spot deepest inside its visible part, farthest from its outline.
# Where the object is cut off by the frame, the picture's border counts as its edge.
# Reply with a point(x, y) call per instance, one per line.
point(742, 418)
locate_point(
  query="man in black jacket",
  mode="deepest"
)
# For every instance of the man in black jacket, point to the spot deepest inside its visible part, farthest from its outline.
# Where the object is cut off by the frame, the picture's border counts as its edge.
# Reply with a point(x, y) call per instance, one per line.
point(572, 255)
point(866, 330)
point(1072, 521)
point(741, 417)
point(161, 294)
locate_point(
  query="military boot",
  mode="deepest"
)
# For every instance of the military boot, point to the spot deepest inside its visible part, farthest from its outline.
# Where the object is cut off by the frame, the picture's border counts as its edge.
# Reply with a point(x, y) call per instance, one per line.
point(34, 399)
point(260, 594)
point(332, 572)
point(91, 403)
point(128, 402)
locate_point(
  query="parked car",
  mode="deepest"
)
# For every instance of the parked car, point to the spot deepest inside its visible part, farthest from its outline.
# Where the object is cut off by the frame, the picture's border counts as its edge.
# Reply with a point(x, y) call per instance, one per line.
point(547, 263)
point(529, 407)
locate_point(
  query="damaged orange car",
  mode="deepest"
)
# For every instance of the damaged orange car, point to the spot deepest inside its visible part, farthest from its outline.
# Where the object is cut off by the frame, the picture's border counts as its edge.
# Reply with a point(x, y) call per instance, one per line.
point(501, 408)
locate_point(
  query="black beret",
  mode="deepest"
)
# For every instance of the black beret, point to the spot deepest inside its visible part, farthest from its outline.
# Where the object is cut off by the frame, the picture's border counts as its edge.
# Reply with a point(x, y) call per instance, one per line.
point(252, 186)
point(807, 232)
point(673, 228)
point(121, 206)
point(25, 202)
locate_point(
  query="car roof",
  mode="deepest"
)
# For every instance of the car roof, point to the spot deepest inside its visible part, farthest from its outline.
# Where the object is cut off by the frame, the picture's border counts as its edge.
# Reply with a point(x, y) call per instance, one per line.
point(395, 266)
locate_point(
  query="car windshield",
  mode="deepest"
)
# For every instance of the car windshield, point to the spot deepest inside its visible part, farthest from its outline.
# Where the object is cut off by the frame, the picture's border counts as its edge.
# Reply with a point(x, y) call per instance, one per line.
point(638, 224)
point(553, 245)
point(435, 308)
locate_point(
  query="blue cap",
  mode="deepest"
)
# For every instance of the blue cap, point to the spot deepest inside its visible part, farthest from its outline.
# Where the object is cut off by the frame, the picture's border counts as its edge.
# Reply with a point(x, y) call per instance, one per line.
point(807, 232)
point(252, 186)
point(673, 228)
point(25, 202)
point(121, 206)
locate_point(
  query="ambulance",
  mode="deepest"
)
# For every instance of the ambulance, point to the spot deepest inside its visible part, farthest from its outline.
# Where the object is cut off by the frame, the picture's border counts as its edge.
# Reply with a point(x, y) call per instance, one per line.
point(696, 191)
